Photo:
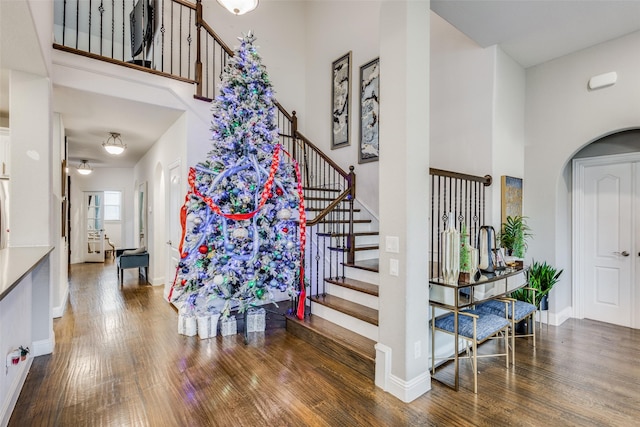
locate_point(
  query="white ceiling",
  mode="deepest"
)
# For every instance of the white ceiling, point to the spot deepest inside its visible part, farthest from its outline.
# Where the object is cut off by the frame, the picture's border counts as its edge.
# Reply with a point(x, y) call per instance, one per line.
point(89, 118)
point(536, 31)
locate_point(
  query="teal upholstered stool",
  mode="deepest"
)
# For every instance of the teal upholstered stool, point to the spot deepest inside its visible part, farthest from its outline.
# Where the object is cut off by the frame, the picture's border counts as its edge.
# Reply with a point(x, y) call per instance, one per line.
point(515, 311)
point(474, 327)
point(132, 258)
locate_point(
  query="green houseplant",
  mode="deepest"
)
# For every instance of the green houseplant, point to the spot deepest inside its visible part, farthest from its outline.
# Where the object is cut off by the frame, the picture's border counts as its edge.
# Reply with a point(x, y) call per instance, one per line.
point(514, 235)
point(542, 277)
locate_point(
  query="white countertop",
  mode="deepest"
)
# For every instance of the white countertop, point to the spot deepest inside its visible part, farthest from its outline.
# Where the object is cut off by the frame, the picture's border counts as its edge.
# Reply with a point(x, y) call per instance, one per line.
point(16, 263)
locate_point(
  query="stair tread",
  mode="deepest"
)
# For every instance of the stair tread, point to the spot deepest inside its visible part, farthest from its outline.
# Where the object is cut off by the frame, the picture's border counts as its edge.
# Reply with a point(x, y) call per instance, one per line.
point(359, 311)
point(358, 285)
point(365, 264)
point(323, 199)
point(345, 346)
point(333, 210)
point(344, 221)
point(357, 248)
point(359, 234)
point(332, 190)
point(349, 339)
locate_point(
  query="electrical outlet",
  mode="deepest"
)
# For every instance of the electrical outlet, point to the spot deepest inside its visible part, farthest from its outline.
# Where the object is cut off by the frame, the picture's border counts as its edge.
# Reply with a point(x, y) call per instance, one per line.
point(417, 350)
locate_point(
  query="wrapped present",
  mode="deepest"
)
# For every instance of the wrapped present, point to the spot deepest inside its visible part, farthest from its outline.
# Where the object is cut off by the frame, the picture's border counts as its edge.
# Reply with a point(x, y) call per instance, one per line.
point(256, 321)
point(228, 326)
point(187, 324)
point(208, 325)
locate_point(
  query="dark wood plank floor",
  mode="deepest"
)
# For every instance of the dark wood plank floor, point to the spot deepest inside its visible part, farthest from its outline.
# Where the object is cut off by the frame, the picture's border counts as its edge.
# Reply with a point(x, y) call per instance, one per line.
point(119, 361)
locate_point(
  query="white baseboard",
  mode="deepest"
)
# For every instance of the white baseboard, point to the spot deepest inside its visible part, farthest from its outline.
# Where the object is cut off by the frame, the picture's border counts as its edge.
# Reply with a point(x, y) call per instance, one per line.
point(558, 319)
point(59, 310)
point(407, 391)
point(14, 393)
point(383, 366)
point(157, 281)
point(43, 347)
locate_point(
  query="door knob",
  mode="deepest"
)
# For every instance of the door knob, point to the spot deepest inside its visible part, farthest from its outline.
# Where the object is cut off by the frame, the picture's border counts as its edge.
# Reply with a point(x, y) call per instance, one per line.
point(624, 253)
point(169, 243)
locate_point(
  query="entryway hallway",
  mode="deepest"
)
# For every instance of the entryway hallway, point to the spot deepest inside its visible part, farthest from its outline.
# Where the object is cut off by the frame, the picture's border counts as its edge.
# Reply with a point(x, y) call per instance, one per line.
point(119, 361)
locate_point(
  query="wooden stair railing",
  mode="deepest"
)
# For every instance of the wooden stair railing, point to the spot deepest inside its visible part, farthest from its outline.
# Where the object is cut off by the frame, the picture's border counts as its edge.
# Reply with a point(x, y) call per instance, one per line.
point(184, 47)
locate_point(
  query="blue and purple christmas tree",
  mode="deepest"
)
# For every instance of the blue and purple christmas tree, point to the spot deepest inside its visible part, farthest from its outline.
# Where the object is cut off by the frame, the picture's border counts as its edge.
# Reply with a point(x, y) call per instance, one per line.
point(243, 218)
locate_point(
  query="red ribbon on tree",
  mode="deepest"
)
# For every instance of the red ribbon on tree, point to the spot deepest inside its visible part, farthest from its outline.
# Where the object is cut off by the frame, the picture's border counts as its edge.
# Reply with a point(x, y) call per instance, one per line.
point(242, 216)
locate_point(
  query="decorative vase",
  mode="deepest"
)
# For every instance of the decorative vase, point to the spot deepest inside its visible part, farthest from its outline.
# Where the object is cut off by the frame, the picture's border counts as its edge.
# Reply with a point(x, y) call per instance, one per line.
point(450, 248)
point(468, 258)
point(486, 245)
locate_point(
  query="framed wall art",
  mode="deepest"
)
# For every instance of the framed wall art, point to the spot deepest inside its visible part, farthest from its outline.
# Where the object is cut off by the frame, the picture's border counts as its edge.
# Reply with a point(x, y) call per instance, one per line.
point(340, 97)
point(511, 197)
point(369, 111)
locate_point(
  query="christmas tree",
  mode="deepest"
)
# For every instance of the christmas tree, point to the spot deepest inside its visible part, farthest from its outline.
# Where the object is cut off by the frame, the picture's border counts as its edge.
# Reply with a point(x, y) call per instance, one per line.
point(243, 218)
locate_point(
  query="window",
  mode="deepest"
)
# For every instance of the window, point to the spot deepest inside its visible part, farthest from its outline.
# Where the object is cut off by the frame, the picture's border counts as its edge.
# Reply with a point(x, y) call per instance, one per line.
point(112, 202)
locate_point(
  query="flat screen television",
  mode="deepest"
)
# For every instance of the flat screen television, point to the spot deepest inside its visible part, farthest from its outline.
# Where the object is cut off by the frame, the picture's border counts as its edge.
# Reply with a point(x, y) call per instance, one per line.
point(141, 20)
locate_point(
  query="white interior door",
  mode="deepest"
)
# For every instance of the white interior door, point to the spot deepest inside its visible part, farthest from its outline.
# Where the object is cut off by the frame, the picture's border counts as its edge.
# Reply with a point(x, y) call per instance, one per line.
point(176, 199)
point(94, 229)
point(608, 243)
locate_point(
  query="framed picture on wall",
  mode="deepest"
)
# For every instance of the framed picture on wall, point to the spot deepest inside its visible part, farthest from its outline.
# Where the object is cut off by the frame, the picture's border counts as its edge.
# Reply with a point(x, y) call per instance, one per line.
point(369, 111)
point(511, 197)
point(340, 98)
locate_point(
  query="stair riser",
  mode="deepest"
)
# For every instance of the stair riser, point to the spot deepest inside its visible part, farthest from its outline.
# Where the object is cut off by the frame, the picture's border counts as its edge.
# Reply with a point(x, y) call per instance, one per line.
point(370, 254)
point(367, 240)
point(367, 300)
point(356, 325)
point(364, 275)
point(345, 215)
point(358, 227)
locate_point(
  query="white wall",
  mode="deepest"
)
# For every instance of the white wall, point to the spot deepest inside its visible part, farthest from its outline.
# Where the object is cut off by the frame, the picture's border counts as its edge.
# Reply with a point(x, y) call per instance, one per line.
point(171, 147)
point(281, 32)
point(60, 287)
point(477, 110)
point(358, 24)
point(462, 78)
point(101, 179)
point(562, 116)
point(402, 349)
point(507, 127)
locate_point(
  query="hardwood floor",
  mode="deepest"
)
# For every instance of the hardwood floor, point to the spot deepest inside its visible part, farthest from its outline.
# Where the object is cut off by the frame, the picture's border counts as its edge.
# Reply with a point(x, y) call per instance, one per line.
point(119, 361)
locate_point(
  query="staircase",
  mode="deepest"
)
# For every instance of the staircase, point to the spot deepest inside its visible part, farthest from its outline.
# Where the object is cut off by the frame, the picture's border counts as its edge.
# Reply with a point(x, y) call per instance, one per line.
point(341, 262)
point(342, 318)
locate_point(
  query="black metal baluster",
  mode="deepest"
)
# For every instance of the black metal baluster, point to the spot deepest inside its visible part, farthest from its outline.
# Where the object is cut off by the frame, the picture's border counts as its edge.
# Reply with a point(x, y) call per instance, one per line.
point(77, 21)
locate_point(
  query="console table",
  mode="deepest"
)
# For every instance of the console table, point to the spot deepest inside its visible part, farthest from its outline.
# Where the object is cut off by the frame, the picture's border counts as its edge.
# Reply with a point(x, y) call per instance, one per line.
point(455, 297)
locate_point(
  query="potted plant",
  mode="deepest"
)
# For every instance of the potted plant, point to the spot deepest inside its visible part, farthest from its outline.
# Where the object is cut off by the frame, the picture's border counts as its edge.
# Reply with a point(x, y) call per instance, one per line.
point(542, 277)
point(514, 235)
point(24, 351)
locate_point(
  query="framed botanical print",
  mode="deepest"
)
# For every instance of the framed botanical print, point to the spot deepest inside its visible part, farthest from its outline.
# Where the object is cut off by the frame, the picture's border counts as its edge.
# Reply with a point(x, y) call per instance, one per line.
point(369, 111)
point(340, 98)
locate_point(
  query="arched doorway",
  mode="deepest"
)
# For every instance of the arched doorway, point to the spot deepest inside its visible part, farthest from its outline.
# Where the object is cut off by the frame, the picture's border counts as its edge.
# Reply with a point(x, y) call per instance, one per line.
point(606, 231)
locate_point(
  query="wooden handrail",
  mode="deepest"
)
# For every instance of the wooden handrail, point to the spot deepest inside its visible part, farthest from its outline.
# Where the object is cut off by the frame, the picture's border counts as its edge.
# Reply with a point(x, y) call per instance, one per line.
point(186, 3)
point(213, 34)
point(486, 180)
point(321, 154)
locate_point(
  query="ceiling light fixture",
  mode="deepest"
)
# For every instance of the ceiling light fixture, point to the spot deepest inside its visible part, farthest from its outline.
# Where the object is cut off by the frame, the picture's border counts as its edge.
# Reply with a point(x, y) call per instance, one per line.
point(84, 168)
point(114, 144)
point(239, 7)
